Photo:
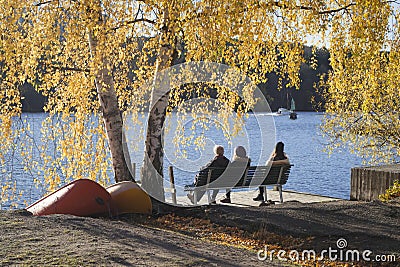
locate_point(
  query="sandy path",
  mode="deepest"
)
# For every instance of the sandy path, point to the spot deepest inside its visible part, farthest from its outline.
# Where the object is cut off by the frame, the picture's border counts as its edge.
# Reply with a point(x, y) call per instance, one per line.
point(74, 241)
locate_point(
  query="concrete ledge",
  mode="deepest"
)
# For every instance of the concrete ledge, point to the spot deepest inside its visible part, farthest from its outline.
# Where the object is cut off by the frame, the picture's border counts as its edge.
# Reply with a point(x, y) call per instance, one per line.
point(245, 198)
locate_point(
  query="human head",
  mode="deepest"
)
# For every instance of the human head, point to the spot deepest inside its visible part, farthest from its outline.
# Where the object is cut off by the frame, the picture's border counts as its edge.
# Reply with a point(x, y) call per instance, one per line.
point(240, 152)
point(279, 148)
point(219, 150)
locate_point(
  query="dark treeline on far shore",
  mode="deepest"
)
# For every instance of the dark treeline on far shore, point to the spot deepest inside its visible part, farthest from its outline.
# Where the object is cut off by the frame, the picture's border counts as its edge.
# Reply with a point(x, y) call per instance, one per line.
point(307, 98)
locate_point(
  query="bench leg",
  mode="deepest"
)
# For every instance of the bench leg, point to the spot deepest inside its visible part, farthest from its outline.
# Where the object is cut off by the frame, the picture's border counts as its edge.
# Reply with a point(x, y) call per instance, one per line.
point(265, 193)
point(280, 193)
point(173, 194)
point(195, 197)
point(264, 202)
point(208, 196)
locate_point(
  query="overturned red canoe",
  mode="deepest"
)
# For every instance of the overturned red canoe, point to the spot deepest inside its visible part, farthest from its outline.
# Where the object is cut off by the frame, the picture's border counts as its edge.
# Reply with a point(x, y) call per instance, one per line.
point(81, 197)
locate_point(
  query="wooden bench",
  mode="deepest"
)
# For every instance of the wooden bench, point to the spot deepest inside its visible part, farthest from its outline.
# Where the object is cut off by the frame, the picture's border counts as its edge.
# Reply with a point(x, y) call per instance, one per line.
point(253, 176)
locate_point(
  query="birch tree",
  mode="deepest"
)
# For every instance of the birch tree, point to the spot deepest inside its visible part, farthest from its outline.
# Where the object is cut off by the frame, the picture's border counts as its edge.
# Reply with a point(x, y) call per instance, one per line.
point(92, 57)
point(362, 90)
point(73, 52)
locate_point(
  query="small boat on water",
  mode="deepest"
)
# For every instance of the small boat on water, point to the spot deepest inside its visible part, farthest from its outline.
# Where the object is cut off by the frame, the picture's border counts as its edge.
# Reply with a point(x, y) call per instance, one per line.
point(290, 110)
point(292, 113)
point(128, 197)
point(81, 197)
point(282, 111)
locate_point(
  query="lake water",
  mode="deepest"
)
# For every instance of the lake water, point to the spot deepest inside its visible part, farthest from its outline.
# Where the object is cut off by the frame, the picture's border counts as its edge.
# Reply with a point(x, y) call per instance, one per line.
point(314, 171)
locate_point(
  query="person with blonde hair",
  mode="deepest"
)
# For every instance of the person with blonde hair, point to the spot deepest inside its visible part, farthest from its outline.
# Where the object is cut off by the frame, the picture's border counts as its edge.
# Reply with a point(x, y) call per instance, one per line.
point(219, 161)
point(240, 161)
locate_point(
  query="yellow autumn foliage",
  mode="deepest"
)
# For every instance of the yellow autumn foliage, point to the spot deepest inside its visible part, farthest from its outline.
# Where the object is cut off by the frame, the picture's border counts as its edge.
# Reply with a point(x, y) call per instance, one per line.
point(46, 44)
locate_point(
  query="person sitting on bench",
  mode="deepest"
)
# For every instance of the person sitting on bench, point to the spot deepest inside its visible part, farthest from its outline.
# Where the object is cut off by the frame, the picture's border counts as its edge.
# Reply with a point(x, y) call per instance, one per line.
point(239, 160)
point(219, 161)
point(279, 157)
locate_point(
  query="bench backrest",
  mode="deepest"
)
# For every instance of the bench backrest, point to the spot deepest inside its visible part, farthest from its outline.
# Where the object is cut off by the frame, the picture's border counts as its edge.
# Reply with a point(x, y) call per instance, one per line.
point(276, 174)
point(254, 175)
point(208, 175)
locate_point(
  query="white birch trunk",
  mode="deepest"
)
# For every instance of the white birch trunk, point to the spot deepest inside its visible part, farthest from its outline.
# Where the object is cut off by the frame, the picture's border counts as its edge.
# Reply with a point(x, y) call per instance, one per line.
point(111, 117)
point(152, 169)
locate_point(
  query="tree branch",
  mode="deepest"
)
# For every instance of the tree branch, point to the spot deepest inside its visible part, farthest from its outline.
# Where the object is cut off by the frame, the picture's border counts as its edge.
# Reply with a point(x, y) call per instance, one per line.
point(329, 11)
point(135, 21)
point(138, 11)
point(43, 3)
point(321, 12)
point(336, 10)
point(280, 5)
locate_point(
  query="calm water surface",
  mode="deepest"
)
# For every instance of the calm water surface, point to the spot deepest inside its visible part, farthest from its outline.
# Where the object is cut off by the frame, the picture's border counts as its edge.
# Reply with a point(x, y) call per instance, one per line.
point(314, 171)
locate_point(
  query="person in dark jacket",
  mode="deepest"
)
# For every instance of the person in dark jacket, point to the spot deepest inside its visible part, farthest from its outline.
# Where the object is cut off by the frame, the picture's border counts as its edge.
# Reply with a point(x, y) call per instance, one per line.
point(279, 157)
point(219, 161)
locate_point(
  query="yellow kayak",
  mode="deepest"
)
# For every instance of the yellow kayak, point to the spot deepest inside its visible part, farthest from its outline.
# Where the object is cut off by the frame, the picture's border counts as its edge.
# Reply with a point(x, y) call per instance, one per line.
point(128, 197)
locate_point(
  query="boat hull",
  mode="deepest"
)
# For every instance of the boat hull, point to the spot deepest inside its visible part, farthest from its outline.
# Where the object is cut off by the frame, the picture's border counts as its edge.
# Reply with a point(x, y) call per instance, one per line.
point(128, 197)
point(81, 197)
point(282, 111)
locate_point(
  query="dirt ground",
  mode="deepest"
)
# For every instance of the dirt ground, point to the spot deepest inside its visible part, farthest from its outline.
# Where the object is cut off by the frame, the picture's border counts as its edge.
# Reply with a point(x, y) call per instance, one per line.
point(218, 235)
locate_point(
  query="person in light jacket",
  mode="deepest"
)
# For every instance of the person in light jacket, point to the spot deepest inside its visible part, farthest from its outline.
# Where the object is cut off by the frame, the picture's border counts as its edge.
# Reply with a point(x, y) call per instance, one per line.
point(241, 161)
point(279, 157)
